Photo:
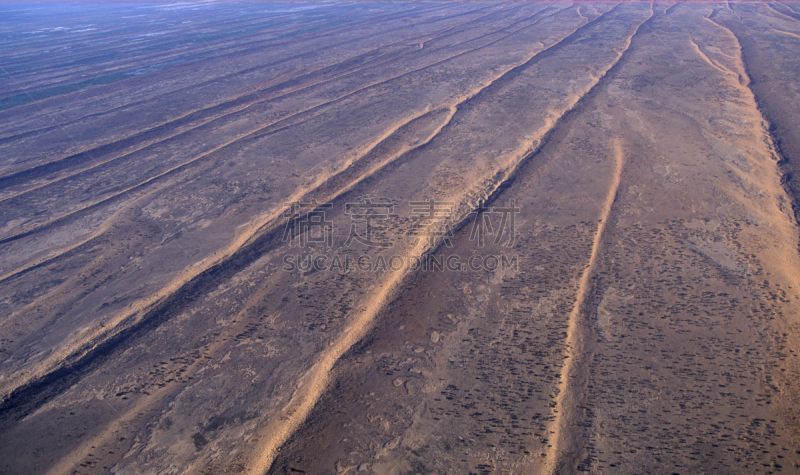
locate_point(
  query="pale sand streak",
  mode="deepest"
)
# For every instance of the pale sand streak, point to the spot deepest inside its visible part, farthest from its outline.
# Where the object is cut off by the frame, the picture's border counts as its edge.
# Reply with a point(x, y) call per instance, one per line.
point(240, 109)
point(305, 400)
point(566, 397)
point(783, 260)
point(176, 134)
point(309, 395)
point(710, 61)
point(313, 383)
point(73, 458)
point(244, 234)
point(320, 371)
point(83, 341)
point(191, 128)
point(574, 374)
point(277, 80)
point(56, 253)
point(788, 33)
point(248, 134)
point(788, 17)
point(566, 407)
point(578, 11)
point(104, 227)
point(274, 82)
point(106, 224)
point(61, 251)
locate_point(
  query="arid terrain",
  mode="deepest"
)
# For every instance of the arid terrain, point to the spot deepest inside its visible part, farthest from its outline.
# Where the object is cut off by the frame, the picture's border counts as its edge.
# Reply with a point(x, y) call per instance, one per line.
point(400, 238)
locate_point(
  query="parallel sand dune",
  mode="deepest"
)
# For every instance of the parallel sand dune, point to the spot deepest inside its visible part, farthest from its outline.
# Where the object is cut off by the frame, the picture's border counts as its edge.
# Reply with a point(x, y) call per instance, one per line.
point(624, 174)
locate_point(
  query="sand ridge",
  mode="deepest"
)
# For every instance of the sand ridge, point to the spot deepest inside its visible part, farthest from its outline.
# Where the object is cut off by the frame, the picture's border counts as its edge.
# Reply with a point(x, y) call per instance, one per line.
point(567, 443)
point(151, 322)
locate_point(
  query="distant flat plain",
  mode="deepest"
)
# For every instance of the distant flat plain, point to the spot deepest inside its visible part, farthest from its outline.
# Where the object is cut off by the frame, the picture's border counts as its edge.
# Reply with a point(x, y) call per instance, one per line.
point(400, 238)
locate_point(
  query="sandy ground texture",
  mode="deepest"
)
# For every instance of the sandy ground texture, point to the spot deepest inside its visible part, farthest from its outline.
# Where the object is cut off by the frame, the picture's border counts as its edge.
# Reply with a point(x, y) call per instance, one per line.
point(400, 238)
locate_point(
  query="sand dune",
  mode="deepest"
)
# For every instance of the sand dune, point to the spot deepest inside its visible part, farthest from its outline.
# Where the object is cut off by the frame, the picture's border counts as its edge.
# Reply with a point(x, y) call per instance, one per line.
point(201, 218)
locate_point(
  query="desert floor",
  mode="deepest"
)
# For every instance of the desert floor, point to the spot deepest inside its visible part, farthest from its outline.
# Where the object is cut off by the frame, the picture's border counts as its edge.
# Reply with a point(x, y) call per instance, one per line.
point(400, 238)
